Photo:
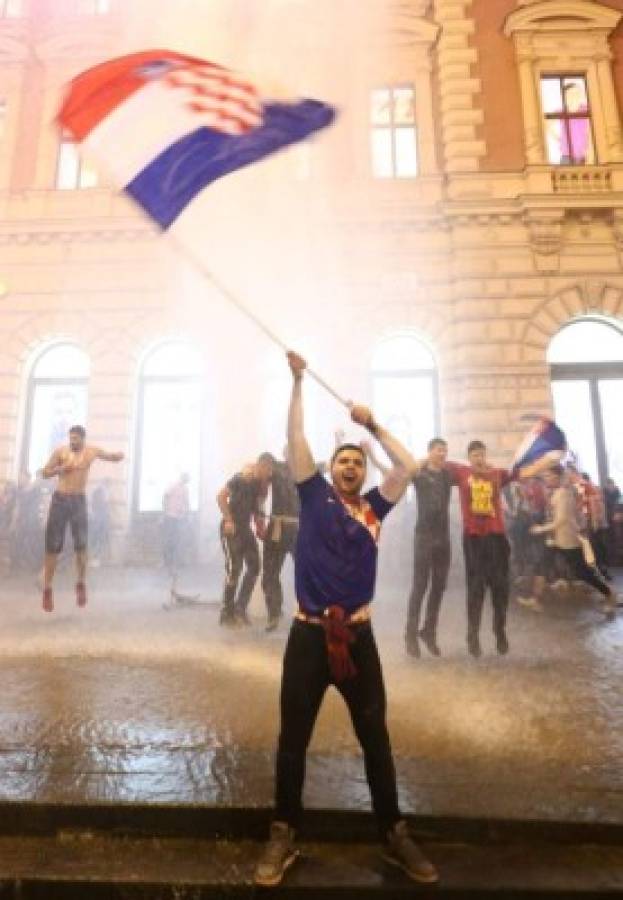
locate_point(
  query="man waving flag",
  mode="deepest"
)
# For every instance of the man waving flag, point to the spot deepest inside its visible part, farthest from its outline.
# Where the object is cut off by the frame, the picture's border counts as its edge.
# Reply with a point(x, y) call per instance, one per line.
point(165, 125)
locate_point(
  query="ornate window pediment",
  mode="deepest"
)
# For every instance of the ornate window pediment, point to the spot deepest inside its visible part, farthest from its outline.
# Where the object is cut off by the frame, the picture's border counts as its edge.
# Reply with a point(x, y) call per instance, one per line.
point(567, 38)
point(562, 15)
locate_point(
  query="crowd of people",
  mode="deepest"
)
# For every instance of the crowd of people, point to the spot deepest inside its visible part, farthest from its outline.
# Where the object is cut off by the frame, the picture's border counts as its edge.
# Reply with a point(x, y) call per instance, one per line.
point(559, 523)
point(525, 534)
point(562, 531)
point(560, 528)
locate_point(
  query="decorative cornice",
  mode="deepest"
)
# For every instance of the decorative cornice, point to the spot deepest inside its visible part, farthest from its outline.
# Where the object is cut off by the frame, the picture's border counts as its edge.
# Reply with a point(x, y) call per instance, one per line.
point(562, 15)
point(43, 236)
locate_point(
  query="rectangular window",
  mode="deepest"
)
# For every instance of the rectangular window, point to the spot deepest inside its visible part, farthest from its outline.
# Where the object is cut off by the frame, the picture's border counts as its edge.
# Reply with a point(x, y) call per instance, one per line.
point(170, 440)
point(567, 121)
point(93, 7)
point(393, 136)
point(72, 173)
point(10, 9)
point(574, 414)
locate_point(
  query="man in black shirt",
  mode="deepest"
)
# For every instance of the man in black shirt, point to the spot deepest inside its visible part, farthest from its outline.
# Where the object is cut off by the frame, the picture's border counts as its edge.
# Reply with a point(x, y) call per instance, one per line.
point(433, 483)
point(281, 535)
point(240, 501)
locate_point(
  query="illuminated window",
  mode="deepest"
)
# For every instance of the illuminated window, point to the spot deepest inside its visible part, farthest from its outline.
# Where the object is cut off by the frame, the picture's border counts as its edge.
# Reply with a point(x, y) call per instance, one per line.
point(570, 115)
point(57, 399)
point(93, 7)
point(586, 360)
point(393, 132)
point(404, 390)
point(168, 424)
point(10, 9)
point(568, 127)
point(72, 172)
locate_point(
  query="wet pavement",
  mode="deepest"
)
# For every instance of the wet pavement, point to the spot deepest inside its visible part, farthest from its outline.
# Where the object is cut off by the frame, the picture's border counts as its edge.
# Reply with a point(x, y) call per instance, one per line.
point(126, 701)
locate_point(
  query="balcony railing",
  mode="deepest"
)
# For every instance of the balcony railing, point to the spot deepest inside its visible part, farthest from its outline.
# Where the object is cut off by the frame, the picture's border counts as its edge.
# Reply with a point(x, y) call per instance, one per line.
point(581, 180)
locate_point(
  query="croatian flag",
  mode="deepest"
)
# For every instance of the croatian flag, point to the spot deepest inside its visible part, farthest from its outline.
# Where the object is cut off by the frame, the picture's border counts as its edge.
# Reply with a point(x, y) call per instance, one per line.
point(544, 440)
point(165, 125)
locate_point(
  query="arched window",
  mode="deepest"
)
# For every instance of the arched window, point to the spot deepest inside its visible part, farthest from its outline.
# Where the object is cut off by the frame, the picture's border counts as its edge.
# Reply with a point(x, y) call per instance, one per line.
point(586, 360)
point(57, 399)
point(405, 391)
point(168, 424)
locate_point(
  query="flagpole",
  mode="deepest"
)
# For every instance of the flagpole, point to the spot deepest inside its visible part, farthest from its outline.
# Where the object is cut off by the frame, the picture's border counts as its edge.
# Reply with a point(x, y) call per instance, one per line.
point(226, 292)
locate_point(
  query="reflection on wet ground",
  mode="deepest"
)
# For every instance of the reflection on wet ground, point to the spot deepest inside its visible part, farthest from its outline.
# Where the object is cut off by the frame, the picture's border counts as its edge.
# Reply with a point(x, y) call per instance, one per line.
point(126, 701)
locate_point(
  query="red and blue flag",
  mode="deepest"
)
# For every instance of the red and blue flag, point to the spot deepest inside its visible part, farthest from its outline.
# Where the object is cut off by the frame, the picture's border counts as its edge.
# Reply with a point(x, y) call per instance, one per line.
point(544, 440)
point(165, 125)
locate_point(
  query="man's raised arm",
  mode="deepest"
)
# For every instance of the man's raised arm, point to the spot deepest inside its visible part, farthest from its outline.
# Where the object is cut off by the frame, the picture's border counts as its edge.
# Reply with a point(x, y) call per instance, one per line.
point(109, 455)
point(403, 464)
point(300, 457)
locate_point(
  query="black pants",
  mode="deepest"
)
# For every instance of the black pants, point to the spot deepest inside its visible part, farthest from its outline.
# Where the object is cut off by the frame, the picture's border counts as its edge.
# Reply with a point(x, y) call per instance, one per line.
point(239, 548)
point(573, 560)
point(599, 543)
point(305, 679)
point(431, 564)
point(486, 566)
point(273, 558)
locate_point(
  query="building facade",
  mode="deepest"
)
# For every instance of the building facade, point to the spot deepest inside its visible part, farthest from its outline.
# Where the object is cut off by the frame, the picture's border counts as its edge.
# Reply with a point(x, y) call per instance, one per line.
point(451, 251)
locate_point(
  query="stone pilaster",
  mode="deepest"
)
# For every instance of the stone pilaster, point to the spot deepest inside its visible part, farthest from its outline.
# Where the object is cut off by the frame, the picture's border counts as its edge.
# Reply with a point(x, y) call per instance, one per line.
point(460, 117)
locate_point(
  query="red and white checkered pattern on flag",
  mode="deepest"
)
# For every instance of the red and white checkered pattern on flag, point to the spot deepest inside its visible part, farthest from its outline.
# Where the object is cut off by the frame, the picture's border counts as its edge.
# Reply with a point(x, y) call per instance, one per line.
point(228, 102)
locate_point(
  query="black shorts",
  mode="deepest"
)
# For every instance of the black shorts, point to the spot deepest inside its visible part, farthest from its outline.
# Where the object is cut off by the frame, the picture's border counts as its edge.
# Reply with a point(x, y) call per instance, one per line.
point(64, 509)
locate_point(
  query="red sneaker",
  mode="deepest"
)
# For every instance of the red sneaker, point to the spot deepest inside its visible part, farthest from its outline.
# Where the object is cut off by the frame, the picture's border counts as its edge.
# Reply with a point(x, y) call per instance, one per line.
point(48, 600)
point(81, 593)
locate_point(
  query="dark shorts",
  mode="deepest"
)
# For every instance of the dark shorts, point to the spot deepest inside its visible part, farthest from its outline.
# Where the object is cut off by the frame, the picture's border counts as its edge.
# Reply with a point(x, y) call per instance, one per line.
point(66, 509)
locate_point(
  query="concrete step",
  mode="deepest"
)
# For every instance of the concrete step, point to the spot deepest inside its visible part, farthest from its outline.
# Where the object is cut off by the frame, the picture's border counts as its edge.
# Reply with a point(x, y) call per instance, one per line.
point(182, 820)
point(83, 866)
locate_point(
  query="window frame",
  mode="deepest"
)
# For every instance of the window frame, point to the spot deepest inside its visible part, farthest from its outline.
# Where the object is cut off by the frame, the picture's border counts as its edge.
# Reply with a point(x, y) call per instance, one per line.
point(5, 7)
point(80, 169)
point(393, 129)
point(34, 381)
point(554, 36)
point(137, 513)
point(565, 117)
point(432, 373)
point(593, 373)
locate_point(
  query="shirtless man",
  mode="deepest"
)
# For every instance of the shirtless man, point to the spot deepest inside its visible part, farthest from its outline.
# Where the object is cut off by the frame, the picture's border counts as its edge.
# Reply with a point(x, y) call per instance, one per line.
point(71, 464)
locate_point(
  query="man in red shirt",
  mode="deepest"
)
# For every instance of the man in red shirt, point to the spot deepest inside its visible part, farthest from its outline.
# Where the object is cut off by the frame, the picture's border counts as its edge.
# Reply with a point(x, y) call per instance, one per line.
point(485, 546)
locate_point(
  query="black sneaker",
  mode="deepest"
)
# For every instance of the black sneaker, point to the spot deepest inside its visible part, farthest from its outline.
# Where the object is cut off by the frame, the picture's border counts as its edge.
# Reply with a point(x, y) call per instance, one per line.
point(279, 853)
point(400, 850)
point(473, 646)
point(430, 642)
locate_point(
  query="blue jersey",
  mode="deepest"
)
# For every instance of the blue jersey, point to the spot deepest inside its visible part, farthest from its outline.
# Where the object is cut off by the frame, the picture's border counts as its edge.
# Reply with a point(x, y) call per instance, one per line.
point(337, 547)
